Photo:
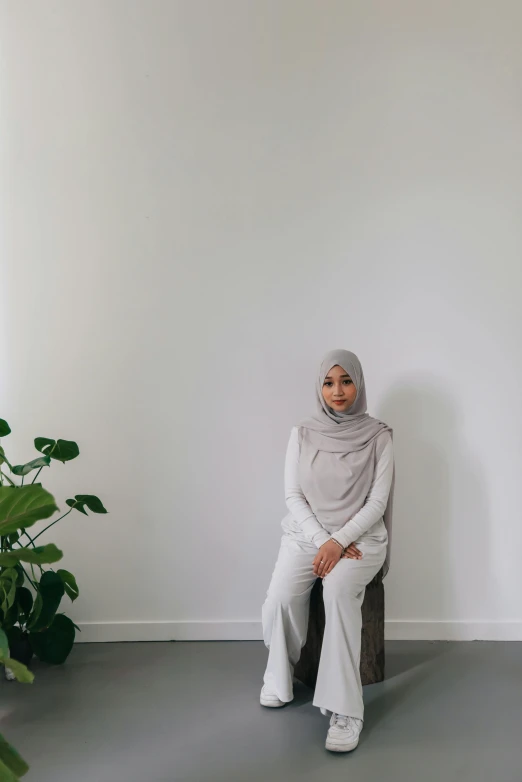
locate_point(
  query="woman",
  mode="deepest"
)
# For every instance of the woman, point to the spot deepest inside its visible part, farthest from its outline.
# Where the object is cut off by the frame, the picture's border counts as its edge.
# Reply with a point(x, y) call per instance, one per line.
point(339, 474)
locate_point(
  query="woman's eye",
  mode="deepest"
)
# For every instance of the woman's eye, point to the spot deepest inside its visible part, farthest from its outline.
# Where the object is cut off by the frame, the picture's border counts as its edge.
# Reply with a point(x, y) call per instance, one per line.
point(328, 383)
point(348, 382)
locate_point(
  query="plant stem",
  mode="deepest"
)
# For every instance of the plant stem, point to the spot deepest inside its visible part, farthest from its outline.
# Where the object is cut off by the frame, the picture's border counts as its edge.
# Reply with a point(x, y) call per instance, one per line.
point(30, 538)
point(41, 468)
point(52, 525)
point(9, 479)
point(37, 474)
point(6, 461)
point(33, 583)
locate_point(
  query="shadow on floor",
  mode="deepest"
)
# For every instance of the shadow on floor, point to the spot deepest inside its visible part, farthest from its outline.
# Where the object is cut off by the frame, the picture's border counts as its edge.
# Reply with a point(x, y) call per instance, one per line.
point(408, 667)
point(403, 656)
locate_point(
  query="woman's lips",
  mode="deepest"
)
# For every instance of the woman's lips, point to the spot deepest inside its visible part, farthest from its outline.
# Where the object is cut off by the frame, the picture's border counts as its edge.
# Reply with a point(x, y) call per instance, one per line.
point(341, 402)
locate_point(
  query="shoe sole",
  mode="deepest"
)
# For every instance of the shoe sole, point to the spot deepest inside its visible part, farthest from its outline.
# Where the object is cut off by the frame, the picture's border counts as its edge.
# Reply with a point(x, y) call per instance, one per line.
point(341, 747)
point(272, 704)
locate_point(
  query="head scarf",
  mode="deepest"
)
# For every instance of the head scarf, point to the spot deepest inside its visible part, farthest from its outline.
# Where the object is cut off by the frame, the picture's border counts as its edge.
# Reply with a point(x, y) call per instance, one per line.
point(339, 452)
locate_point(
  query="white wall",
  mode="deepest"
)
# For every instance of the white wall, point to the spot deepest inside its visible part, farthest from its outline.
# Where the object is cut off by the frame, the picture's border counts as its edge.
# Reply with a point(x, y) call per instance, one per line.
point(198, 199)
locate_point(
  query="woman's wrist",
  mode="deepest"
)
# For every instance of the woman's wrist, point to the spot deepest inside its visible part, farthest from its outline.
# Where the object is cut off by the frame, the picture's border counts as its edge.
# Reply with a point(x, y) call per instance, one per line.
point(336, 541)
point(321, 537)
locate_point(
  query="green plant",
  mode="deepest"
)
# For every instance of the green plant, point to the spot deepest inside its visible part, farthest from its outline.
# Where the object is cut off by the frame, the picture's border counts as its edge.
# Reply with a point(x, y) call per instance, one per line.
point(30, 594)
point(12, 766)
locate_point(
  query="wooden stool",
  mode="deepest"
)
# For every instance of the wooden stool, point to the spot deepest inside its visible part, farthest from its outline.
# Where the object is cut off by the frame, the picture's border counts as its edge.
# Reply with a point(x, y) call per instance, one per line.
point(372, 636)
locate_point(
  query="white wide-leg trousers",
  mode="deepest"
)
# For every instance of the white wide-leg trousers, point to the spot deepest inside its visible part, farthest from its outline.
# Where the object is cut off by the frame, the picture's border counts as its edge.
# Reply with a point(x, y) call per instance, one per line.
point(285, 622)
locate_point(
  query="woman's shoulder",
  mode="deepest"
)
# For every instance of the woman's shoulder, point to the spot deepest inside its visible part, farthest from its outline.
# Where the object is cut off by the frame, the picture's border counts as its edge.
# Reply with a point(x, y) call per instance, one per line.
point(384, 443)
point(296, 435)
point(384, 431)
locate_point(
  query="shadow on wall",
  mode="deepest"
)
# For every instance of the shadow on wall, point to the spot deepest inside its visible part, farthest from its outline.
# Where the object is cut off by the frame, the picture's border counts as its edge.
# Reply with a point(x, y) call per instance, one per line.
point(442, 526)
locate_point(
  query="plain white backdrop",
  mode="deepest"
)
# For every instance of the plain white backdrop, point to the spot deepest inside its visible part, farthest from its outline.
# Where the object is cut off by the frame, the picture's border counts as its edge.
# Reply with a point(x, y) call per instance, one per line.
point(198, 199)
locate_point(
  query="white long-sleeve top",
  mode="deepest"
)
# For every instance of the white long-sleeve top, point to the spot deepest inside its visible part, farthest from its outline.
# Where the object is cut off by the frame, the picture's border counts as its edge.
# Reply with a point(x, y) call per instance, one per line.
point(302, 520)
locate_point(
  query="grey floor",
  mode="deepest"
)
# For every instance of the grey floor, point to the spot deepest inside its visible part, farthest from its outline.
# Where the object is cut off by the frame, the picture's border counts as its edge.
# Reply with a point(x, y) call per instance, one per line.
point(156, 712)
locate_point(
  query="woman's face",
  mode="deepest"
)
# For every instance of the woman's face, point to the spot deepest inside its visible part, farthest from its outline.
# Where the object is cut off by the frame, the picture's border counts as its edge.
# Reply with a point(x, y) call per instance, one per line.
point(339, 392)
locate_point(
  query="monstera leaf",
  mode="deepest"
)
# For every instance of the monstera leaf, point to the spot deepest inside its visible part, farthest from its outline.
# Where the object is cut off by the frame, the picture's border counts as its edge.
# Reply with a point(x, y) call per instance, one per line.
point(61, 450)
point(69, 582)
point(81, 500)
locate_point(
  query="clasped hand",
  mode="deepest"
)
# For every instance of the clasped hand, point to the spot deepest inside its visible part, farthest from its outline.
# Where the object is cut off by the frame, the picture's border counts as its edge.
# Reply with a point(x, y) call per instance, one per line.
point(329, 555)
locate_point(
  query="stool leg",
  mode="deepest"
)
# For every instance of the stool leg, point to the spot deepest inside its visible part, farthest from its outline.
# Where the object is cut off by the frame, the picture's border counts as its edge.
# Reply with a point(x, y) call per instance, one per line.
point(306, 668)
point(372, 639)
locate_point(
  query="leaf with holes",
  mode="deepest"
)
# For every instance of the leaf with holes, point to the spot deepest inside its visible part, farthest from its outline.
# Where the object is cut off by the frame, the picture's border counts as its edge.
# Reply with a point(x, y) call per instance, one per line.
point(69, 582)
point(61, 450)
point(81, 500)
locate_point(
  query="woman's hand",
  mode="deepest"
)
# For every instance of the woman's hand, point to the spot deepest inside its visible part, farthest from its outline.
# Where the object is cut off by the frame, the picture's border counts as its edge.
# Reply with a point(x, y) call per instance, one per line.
point(327, 558)
point(351, 552)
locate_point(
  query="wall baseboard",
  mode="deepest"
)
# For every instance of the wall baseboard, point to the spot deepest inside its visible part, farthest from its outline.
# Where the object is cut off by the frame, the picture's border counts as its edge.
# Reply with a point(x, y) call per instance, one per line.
point(197, 630)
point(417, 630)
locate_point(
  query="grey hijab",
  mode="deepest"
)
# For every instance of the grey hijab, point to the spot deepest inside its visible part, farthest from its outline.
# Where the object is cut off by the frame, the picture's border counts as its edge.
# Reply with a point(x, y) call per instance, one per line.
point(339, 451)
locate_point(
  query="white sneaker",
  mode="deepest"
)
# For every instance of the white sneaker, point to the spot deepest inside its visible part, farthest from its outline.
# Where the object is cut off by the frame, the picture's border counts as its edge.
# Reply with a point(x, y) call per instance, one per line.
point(270, 699)
point(9, 675)
point(343, 733)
